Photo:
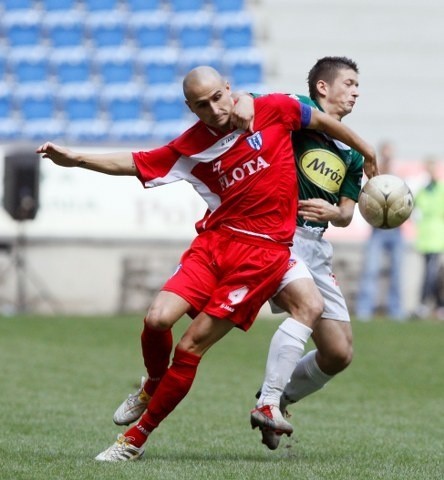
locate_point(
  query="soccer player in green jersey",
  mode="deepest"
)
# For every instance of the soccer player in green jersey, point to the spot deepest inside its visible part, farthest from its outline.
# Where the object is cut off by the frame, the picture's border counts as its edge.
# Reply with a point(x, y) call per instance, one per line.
point(329, 178)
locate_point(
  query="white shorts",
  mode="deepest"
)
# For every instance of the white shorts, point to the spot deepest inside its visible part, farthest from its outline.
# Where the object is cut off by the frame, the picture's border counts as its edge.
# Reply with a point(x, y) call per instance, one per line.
point(314, 257)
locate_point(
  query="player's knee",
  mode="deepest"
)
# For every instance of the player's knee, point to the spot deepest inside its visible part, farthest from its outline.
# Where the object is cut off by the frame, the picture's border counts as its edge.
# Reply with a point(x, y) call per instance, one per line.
point(344, 357)
point(192, 343)
point(336, 359)
point(303, 300)
point(308, 309)
point(158, 318)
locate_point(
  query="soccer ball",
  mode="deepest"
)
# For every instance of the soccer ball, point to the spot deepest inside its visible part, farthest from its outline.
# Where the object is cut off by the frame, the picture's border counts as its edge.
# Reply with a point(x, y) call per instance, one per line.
point(385, 201)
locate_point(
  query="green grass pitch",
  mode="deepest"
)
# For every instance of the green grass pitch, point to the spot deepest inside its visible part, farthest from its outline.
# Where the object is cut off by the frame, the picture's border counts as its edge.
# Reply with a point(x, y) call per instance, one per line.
point(62, 378)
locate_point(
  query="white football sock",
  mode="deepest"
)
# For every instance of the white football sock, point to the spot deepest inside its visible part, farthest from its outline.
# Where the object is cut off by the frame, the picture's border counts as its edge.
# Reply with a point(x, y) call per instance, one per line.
point(286, 349)
point(306, 378)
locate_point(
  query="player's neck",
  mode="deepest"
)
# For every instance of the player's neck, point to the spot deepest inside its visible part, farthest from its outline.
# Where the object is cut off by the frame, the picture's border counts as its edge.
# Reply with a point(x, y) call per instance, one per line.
point(330, 110)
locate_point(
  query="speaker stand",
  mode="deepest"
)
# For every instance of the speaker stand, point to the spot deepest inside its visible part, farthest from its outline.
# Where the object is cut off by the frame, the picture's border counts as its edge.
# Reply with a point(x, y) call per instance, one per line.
point(25, 275)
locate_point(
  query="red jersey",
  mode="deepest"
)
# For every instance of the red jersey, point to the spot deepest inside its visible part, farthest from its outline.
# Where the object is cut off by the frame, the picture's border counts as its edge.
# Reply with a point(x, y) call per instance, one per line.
point(247, 180)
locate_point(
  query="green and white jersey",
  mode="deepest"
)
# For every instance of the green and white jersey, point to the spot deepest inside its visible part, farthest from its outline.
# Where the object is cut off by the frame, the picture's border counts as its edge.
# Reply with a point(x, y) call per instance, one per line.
point(326, 168)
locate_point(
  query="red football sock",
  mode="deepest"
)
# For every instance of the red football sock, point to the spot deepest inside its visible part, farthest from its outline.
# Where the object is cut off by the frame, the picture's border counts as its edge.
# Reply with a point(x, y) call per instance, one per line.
point(174, 386)
point(137, 435)
point(156, 350)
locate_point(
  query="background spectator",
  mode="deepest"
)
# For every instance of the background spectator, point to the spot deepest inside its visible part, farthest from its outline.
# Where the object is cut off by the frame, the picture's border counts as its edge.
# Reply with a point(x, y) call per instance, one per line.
point(429, 218)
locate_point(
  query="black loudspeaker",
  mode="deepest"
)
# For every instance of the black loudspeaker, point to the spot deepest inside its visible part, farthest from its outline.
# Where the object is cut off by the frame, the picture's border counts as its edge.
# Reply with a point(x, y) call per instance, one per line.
point(21, 185)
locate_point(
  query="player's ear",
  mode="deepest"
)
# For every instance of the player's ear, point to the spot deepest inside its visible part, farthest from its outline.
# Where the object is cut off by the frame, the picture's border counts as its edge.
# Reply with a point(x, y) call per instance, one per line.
point(321, 87)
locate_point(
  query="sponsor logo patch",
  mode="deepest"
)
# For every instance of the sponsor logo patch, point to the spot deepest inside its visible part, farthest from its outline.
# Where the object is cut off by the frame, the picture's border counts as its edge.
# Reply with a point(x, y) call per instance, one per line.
point(324, 169)
point(236, 296)
point(255, 141)
point(291, 263)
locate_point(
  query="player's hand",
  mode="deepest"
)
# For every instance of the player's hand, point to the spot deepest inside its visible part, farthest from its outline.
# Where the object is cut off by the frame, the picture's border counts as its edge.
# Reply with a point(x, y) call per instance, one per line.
point(317, 210)
point(59, 155)
point(242, 115)
point(371, 166)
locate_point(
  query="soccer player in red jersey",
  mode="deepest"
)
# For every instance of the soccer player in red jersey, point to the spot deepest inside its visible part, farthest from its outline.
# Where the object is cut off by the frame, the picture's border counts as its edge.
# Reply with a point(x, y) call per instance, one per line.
point(241, 252)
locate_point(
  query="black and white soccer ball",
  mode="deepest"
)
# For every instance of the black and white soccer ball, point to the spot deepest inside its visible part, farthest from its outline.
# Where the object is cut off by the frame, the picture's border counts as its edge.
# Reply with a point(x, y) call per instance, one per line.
point(385, 201)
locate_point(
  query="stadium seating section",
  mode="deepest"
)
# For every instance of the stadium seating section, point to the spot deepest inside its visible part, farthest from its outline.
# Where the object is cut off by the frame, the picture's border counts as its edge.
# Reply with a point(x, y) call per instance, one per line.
point(110, 70)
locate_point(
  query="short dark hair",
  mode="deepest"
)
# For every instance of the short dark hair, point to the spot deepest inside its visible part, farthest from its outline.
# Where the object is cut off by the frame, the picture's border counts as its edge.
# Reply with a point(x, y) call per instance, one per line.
point(326, 69)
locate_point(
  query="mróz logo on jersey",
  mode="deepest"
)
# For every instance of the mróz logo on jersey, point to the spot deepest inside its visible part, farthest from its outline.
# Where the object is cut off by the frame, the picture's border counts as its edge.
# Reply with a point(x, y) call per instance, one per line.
point(324, 169)
point(255, 141)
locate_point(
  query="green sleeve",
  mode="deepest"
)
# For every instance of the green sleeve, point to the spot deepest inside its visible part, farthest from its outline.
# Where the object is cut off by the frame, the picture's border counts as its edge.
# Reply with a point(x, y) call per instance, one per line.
point(351, 186)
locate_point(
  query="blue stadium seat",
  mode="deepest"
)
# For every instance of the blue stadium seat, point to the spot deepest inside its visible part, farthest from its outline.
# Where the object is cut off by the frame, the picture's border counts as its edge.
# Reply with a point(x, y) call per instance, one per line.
point(22, 28)
point(194, 57)
point(3, 65)
point(158, 66)
point(101, 5)
point(58, 5)
point(28, 70)
point(36, 105)
point(71, 66)
point(166, 106)
point(193, 30)
point(126, 113)
point(123, 106)
point(115, 66)
point(107, 30)
point(148, 30)
point(87, 131)
point(244, 67)
point(228, 5)
point(41, 130)
point(187, 5)
point(234, 31)
point(163, 132)
point(81, 108)
point(83, 114)
point(130, 131)
point(6, 105)
point(29, 65)
point(65, 30)
point(143, 5)
point(9, 5)
point(10, 130)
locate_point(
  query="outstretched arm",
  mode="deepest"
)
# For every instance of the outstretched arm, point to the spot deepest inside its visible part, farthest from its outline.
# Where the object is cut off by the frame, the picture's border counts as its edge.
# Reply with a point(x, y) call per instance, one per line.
point(118, 163)
point(324, 123)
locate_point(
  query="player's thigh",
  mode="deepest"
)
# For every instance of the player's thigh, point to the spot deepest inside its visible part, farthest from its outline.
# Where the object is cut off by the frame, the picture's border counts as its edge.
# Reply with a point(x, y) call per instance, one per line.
point(334, 339)
point(165, 310)
point(203, 332)
point(301, 298)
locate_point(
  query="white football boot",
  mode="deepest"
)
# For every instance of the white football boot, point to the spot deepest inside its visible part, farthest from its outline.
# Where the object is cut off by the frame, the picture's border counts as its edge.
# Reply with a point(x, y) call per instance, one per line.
point(270, 417)
point(120, 451)
point(132, 408)
point(271, 438)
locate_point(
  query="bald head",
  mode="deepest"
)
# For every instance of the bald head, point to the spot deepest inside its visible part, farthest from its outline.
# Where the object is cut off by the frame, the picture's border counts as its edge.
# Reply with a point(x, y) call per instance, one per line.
point(203, 77)
point(208, 95)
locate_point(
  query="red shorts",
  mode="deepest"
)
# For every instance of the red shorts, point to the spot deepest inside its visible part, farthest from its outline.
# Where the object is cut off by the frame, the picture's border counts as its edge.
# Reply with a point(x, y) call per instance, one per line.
point(229, 275)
